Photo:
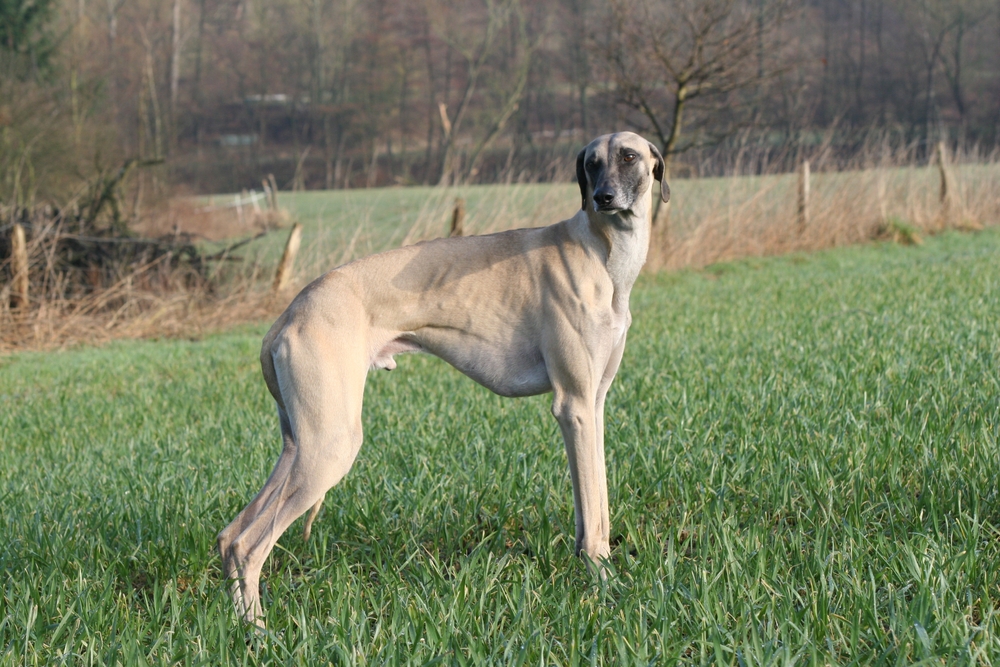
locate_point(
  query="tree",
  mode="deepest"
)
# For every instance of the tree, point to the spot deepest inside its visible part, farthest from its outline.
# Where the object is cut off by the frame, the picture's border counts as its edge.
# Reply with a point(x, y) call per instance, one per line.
point(666, 56)
point(478, 45)
point(506, 92)
point(965, 17)
point(25, 39)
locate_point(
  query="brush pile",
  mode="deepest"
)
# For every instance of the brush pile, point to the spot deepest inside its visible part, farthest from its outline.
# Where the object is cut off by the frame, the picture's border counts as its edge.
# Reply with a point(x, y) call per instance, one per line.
point(83, 273)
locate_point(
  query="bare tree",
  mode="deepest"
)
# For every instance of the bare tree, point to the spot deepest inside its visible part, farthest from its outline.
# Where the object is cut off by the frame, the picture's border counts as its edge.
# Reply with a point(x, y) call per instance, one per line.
point(579, 53)
point(666, 56)
point(477, 45)
point(932, 24)
point(176, 44)
point(507, 91)
point(966, 16)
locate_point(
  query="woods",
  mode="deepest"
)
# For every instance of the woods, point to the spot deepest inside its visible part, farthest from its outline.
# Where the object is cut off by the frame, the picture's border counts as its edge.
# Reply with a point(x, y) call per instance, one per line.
point(340, 93)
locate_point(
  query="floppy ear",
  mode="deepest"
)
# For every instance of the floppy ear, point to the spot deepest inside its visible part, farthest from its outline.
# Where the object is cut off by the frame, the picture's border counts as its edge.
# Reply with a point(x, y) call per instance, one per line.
point(581, 176)
point(658, 168)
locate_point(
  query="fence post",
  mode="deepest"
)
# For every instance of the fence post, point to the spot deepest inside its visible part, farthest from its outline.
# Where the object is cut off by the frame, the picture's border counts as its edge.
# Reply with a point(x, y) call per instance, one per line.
point(267, 193)
point(19, 266)
point(274, 192)
point(947, 184)
point(803, 212)
point(458, 217)
point(284, 272)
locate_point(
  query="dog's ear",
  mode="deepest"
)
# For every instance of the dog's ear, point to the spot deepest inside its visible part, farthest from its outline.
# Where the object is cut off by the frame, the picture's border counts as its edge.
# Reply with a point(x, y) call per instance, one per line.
point(581, 177)
point(658, 168)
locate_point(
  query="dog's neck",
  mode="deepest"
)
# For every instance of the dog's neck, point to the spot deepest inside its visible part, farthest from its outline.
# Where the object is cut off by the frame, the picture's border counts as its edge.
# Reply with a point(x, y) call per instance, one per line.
point(626, 236)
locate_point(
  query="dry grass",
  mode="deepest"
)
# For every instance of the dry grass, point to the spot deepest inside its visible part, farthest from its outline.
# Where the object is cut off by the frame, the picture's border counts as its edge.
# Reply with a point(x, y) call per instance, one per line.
point(54, 325)
point(886, 192)
point(883, 194)
point(161, 297)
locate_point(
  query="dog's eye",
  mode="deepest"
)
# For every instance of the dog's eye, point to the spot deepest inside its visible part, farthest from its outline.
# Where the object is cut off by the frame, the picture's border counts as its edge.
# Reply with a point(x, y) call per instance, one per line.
point(628, 157)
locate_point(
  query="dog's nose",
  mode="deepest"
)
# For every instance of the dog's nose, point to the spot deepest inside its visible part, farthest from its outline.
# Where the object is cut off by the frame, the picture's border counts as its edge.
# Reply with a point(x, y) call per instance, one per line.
point(604, 196)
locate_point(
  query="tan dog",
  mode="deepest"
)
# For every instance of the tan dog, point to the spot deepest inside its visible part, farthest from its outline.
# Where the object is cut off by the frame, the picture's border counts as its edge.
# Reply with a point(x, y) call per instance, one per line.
point(521, 312)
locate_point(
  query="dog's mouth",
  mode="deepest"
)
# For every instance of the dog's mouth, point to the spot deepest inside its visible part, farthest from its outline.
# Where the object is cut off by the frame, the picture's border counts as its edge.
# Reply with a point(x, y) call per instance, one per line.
point(610, 209)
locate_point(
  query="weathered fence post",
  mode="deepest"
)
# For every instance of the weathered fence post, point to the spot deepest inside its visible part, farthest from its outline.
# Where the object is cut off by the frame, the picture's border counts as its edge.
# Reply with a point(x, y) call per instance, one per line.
point(947, 185)
point(803, 211)
point(274, 192)
point(19, 266)
point(270, 197)
point(458, 217)
point(284, 272)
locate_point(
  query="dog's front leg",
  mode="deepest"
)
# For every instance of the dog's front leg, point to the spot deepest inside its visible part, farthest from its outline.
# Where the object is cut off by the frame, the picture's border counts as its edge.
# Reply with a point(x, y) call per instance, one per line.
point(574, 407)
point(602, 391)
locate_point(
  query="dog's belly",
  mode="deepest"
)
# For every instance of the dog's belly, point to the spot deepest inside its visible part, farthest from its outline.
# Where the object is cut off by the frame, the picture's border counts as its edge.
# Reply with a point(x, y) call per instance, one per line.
point(518, 377)
point(508, 368)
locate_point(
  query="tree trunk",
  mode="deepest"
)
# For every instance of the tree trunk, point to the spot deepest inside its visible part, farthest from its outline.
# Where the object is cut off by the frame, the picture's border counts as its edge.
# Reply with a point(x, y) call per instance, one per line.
point(858, 84)
point(403, 91)
point(431, 102)
point(175, 72)
point(676, 125)
point(955, 77)
point(448, 150)
point(197, 94)
point(510, 107)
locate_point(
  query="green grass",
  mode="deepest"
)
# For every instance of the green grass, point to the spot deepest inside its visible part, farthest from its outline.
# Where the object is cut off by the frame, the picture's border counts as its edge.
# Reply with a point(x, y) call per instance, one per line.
point(376, 219)
point(339, 225)
point(802, 459)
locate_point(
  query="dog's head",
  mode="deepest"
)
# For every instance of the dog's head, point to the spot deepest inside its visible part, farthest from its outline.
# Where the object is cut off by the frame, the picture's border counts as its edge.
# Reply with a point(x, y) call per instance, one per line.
point(614, 170)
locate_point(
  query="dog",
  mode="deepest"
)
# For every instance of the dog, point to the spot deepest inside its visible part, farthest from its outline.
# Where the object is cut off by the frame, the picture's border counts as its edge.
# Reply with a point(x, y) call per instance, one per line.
point(521, 312)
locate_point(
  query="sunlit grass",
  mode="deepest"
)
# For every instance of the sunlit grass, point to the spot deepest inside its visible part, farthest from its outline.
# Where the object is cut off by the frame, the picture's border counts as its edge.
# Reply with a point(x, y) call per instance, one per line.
point(802, 457)
point(710, 219)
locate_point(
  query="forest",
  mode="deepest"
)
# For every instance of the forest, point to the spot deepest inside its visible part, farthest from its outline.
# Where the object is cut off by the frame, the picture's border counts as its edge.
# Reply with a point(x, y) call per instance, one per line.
point(212, 95)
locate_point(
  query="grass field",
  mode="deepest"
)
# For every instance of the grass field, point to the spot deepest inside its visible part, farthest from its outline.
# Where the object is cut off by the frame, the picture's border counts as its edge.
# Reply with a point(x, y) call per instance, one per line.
point(710, 218)
point(803, 464)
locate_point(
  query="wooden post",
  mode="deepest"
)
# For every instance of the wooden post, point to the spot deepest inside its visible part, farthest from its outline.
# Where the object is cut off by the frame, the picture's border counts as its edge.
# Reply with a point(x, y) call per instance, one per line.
point(284, 272)
point(19, 265)
point(458, 217)
point(274, 192)
point(946, 185)
point(267, 193)
point(238, 201)
point(803, 211)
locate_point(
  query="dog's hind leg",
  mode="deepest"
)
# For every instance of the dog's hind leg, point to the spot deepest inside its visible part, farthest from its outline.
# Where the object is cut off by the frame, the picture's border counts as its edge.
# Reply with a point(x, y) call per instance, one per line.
point(322, 389)
point(225, 539)
point(280, 471)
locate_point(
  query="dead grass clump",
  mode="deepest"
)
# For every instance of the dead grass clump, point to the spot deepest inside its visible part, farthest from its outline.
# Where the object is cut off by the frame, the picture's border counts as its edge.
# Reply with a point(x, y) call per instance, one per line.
point(900, 231)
